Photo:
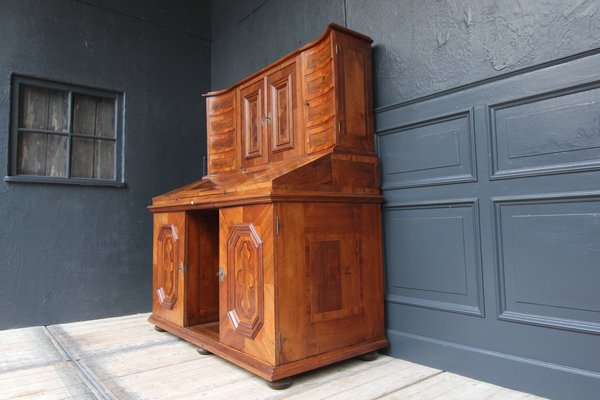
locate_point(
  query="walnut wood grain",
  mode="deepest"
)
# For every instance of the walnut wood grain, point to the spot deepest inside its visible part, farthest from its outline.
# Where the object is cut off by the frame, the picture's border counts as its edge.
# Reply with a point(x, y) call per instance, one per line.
point(202, 282)
point(169, 253)
point(282, 238)
point(222, 140)
point(247, 307)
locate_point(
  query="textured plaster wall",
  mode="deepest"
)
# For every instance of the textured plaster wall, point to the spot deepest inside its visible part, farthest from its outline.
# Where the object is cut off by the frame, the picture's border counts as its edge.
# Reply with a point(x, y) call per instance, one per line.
point(74, 253)
point(420, 46)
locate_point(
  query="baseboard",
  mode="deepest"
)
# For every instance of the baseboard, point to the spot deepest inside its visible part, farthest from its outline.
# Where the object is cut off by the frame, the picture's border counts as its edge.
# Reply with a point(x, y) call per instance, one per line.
point(519, 373)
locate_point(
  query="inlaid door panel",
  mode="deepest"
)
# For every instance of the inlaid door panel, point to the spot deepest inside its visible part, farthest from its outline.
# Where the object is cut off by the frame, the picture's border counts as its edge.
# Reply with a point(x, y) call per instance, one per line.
point(246, 287)
point(168, 264)
point(282, 110)
point(335, 283)
point(253, 124)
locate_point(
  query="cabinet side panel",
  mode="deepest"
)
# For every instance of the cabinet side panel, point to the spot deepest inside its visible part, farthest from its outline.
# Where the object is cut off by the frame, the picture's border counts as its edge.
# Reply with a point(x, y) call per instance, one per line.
point(222, 136)
point(330, 292)
point(342, 236)
point(372, 270)
point(355, 93)
point(292, 310)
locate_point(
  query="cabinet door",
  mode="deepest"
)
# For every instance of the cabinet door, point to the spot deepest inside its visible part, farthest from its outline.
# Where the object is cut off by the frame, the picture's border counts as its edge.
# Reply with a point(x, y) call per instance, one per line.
point(283, 126)
point(168, 265)
point(253, 124)
point(246, 287)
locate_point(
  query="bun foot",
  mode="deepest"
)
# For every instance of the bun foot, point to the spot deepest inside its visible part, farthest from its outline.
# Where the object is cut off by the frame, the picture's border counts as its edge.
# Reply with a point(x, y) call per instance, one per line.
point(157, 329)
point(202, 351)
point(280, 384)
point(372, 356)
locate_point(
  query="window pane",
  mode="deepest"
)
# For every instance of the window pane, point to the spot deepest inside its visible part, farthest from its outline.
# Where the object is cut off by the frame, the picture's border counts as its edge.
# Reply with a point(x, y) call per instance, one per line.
point(93, 159)
point(56, 156)
point(32, 154)
point(104, 160)
point(42, 108)
point(41, 154)
point(105, 118)
point(82, 158)
point(84, 114)
point(58, 111)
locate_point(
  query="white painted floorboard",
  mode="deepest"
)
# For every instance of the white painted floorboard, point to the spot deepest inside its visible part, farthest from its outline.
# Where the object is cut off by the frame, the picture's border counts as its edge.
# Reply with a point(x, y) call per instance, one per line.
point(125, 358)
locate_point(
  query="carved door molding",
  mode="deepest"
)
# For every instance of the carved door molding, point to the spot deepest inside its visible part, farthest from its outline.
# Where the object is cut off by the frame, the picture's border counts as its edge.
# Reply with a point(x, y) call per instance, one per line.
point(246, 312)
point(245, 303)
point(280, 105)
point(253, 124)
point(168, 257)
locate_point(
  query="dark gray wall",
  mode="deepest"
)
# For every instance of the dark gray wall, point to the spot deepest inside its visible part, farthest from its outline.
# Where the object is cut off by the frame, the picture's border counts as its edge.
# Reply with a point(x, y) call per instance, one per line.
point(73, 253)
point(420, 46)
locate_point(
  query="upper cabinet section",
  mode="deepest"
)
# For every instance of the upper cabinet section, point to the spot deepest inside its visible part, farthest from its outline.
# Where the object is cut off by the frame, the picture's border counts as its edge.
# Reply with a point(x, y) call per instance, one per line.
point(314, 100)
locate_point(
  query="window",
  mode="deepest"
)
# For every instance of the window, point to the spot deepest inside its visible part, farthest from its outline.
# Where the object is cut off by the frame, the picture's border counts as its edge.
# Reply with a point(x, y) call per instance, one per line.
point(65, 134)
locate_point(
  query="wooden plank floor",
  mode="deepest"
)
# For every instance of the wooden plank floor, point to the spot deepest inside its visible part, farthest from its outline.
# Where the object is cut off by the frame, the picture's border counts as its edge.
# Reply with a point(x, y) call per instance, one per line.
point(124, 358)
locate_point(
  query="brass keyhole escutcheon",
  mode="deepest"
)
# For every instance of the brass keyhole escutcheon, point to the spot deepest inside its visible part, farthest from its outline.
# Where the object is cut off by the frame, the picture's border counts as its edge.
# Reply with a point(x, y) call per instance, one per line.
point(221, 274)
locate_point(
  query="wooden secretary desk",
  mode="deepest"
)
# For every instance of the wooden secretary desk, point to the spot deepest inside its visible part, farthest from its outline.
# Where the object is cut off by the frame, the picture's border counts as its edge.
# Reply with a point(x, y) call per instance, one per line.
point(273, 260)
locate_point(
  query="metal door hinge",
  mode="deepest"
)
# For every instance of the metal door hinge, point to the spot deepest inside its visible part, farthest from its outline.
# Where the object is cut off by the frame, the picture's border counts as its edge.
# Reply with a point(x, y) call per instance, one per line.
point(183, 267)
point(221, 274)
point(277, 227)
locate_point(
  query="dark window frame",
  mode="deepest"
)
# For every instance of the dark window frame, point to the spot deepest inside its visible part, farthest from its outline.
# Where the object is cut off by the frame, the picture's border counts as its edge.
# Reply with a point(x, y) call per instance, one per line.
point(71, 89)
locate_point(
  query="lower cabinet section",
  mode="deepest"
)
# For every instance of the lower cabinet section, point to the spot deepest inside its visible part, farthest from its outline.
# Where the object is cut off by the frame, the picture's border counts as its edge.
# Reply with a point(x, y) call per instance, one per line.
point(278, 288)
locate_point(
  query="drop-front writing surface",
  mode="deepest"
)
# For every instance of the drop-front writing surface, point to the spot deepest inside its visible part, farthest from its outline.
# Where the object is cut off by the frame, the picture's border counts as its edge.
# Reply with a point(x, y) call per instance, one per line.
point(279, 264)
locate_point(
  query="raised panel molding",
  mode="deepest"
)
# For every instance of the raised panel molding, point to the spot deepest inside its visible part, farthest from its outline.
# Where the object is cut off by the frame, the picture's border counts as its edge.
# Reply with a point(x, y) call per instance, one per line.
point(325, 273)
point(548, 260)
point(546, 134)
point(335, 275)
point(168, 256)
point(252, 120)
point(245, 290)
point(447, 279)
point(435, 151)
point(282, 123)
point(355, 107)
